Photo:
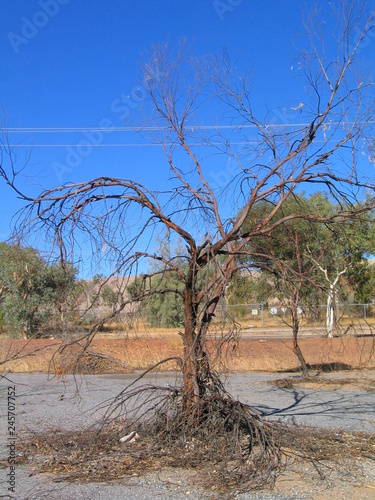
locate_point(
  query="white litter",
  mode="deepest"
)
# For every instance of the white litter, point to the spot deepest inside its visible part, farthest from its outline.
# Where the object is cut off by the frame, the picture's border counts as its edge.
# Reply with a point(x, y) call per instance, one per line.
point(129, 438)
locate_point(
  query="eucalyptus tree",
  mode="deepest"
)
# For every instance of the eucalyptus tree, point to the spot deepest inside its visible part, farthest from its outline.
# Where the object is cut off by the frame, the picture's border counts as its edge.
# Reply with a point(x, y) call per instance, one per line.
point(303, 261)
point(31, 290)
point(343, 267)
point(284, 254)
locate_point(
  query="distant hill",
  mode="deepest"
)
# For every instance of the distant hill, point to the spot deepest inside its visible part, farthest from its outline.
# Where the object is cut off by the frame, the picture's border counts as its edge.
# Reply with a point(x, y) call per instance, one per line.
point(92, 296)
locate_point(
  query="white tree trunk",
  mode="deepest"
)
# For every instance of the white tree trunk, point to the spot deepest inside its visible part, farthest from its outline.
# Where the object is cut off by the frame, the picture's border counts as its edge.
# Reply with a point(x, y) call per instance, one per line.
point(330, 313)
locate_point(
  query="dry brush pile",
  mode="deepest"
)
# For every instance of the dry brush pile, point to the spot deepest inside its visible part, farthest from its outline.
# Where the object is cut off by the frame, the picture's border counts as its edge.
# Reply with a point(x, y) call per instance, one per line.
point(221, 464)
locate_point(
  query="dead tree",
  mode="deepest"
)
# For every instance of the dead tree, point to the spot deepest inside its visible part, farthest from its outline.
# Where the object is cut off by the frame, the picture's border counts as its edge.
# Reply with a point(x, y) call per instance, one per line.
point(122, 217)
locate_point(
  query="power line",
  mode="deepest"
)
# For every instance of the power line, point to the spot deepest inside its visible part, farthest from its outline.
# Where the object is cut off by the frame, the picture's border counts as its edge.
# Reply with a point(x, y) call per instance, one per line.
point(49, 130)
point(155, 144)
point(123, 145)
point(52, 130)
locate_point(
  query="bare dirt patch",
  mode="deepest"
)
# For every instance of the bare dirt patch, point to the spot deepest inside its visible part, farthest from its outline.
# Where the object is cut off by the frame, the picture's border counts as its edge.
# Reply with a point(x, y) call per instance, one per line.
point(249, 354)
point(331, 385)
point(354, 380)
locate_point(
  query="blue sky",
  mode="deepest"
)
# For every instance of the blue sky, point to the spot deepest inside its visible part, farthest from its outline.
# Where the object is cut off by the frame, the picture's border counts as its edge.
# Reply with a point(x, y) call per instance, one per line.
point(73, 64)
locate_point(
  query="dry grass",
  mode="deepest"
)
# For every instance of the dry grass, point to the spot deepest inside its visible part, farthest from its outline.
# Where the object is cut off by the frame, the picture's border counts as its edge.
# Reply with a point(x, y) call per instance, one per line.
point(129, 354)
point(325, 444)
point(277, 355)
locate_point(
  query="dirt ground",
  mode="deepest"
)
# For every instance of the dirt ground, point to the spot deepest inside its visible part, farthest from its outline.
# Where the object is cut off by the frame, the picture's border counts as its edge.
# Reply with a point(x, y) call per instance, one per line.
point(129, 354)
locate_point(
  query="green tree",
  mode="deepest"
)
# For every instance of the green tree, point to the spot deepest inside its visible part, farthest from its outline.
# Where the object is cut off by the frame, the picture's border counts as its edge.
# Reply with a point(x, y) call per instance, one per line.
point(31, 290)
point(109, 296)
point(282, 254)
point(165, 310)
point(162, 288)
point(342, 267)
point(306, 261)
point(361, 277)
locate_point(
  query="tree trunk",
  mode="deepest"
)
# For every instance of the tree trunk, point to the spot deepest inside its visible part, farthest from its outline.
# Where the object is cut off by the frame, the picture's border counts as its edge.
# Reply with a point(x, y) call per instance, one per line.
point(190, 373)
point(296, 348)
point(196, 370)
point(61, 311)
point(330, 313)
point(25, 331)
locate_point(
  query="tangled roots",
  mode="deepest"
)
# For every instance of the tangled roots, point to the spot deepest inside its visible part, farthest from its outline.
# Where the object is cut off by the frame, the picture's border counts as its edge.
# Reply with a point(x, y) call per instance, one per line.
point(230, 443)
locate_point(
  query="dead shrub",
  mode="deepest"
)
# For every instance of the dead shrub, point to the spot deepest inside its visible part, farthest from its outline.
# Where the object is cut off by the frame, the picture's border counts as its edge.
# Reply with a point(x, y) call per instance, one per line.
point(74, 359)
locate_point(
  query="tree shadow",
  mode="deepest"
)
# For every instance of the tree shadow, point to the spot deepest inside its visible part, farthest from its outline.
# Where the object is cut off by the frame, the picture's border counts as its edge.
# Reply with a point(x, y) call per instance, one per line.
point(351, 411)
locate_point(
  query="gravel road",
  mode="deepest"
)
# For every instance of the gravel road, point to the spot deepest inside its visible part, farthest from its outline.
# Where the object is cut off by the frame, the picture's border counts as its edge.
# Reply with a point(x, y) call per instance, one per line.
point(43, 402)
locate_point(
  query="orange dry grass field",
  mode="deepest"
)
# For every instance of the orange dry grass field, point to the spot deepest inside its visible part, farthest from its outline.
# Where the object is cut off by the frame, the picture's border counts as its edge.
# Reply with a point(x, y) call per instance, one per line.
point(137, 354)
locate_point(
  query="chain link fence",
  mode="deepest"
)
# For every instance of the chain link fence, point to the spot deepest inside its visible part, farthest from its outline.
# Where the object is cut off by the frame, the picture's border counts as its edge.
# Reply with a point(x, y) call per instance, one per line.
point(261, 315)
point(252, 315)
